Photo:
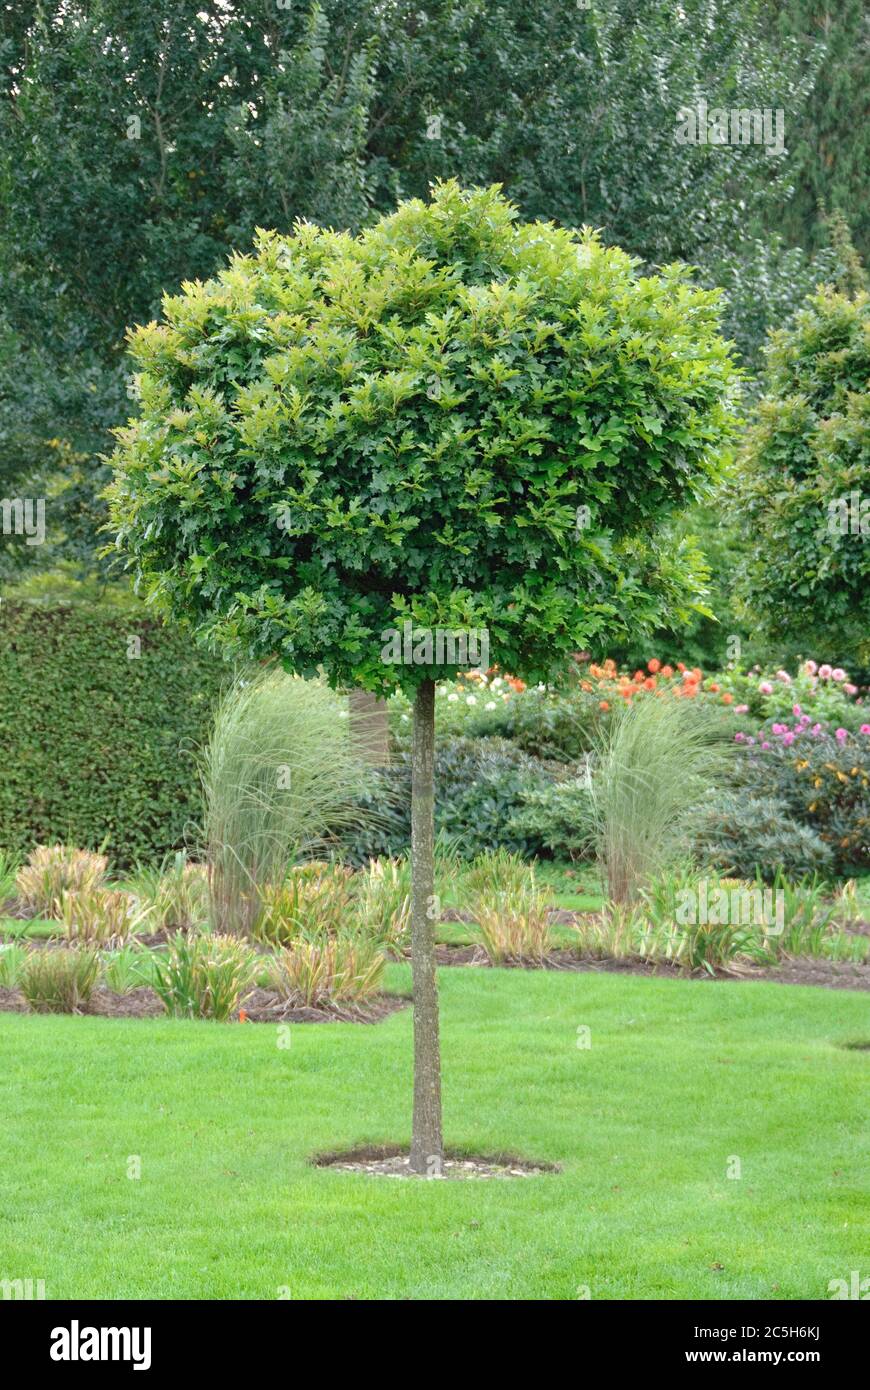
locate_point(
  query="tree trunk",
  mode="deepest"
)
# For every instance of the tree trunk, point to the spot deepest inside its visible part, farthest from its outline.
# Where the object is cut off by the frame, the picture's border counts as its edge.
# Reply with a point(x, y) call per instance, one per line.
point(369, 728)
point(426, 1141)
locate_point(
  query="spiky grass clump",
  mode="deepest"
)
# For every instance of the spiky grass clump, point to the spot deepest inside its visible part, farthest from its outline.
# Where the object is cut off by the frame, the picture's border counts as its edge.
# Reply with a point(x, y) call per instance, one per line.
point(318, 971)
point(510, 907)
point(204, 976)
point(657, 761)
point(52, 870)
point(100, 916)
point(383, 902)
point(314, 899)
point(280, 773)
point(59, 981)
point(175, 895)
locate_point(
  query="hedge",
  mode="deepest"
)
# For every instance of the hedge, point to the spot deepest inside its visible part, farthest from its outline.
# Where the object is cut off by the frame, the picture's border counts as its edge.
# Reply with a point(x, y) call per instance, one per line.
point(101, 712)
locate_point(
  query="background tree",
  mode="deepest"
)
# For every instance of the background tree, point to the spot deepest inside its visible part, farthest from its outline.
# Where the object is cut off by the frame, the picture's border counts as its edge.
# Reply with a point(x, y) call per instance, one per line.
point(454, 420)
point(803, 488)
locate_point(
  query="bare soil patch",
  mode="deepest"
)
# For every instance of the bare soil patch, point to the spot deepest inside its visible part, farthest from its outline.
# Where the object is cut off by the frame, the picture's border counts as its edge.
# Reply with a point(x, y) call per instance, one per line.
point(389, 1161)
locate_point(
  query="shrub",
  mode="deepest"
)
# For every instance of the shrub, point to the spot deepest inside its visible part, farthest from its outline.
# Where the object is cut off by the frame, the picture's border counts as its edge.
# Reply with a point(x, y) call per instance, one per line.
point(660, 757)
point(479, 784)
point(824, 783)
point(279, 771)
point(382, 902)
point(742, 834)
point(204, 976)
point(53, 870)
point(118, 769)
point(59, 981)
point(558, 818)
point(314, 972)
point(315, 898)
point(175, 896)
point(101, 916)
point(805, 457)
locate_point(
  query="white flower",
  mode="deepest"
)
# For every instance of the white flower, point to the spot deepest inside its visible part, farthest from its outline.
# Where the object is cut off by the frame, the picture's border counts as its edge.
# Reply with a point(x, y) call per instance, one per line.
point(471, 699)
point(497, 682)
point(405, 718)
point(490, 704)
point(451, 698)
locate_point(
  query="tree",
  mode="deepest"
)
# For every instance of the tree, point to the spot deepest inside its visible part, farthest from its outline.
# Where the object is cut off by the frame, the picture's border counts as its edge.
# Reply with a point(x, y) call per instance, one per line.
point(452, 423)
point(802, 494)
point(831, 140)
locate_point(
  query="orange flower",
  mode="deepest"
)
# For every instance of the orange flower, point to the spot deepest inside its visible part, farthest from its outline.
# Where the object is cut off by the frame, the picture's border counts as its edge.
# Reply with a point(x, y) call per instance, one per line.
point(515, 683)
point(727, 698)
point(681, 665)
point(649, 683)
point(602, 704)
point(637, 677)
point(654, 665)
point(667, 672)
point(697, 673)
point(243, 1015)
point(585, 685)
point(714, 687)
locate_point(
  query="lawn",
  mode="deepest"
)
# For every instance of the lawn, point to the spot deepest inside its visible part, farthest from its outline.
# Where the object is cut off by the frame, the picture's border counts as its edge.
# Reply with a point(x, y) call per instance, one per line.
point(680, 1077)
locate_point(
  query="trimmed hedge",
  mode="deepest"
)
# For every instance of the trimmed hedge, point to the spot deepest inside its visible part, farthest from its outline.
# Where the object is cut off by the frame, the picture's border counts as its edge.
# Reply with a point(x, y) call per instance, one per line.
point(98, 743)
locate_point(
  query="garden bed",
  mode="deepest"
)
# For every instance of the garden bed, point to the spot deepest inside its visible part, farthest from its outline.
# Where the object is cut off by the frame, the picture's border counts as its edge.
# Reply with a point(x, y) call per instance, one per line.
point(802, 970)
point(260, 1006)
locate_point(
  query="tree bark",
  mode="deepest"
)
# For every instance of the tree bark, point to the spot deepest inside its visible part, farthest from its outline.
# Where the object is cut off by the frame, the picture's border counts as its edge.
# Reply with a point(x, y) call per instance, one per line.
point(426, 1142)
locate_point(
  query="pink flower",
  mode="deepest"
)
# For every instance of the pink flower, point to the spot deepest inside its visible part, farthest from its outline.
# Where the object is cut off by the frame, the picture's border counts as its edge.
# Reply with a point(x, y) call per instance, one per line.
point(825, 673)
point(778, 728)
point(810, 667)
point(765, 745)
point(865, 728)
point(850, 689)
point(816, 729)
point(765, 688)
point(740, 709)
point(788, 737)
point(784, 677)
point(841, 735)
point(741, 738)
point(796, 709)
point(838, 673)
point(805, 719)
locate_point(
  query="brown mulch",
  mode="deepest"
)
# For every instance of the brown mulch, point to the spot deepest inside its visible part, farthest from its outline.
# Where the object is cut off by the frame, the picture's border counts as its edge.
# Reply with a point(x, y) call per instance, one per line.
point(390, 1161)
point(261, 1006)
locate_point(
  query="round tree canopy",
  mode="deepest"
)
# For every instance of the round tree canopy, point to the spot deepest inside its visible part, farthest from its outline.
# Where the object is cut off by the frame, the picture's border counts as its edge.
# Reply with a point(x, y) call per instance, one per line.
point(452, 422)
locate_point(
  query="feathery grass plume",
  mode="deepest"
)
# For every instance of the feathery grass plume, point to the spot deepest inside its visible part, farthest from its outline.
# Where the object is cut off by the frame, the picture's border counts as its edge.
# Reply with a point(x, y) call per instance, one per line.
point(279, 774)
point(656, 762)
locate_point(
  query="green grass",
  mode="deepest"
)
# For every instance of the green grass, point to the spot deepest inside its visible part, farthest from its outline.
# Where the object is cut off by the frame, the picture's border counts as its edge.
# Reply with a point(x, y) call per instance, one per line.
point(679, 1077)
